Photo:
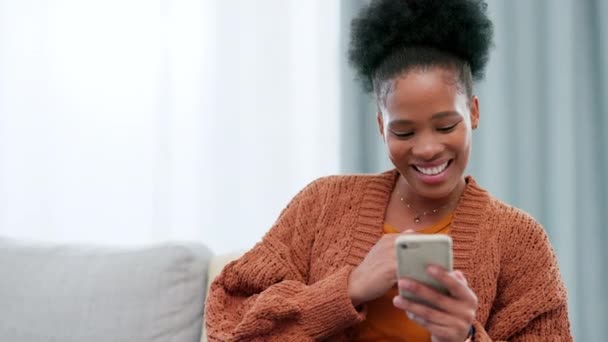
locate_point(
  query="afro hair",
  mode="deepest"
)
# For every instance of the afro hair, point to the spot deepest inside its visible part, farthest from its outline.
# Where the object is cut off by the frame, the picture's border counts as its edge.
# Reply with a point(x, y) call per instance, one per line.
point(408, 33)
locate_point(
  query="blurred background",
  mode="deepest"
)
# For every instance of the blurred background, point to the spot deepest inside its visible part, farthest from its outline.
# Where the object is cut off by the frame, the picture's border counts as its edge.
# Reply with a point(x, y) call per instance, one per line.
point(129, 122)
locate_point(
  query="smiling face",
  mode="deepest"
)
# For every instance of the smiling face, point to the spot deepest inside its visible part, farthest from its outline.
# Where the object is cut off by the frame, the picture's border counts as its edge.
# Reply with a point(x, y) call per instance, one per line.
point(426, 122)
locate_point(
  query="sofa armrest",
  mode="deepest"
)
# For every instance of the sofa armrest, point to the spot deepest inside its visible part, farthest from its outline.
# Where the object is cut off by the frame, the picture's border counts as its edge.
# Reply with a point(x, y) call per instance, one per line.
point(216, 265)
point(71, 293)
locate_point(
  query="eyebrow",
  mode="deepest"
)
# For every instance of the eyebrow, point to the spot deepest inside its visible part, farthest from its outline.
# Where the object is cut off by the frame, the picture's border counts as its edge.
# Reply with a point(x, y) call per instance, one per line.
point(435, 116)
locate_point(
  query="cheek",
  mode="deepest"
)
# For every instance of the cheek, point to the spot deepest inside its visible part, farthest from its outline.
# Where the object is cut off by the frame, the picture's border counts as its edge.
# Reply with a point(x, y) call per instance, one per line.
point(397, 151)
point(462, 144)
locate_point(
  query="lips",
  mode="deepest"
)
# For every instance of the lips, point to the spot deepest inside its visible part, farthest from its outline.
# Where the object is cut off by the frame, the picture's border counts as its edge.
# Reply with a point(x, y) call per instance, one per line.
point(432, 170)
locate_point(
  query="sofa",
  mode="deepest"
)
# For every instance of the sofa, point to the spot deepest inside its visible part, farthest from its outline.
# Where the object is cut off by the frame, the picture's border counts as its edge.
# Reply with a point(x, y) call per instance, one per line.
point(75, 293)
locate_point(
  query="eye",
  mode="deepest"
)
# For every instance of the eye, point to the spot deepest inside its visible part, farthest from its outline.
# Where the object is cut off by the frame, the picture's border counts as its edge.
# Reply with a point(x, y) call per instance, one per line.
point(403, 135)
point(447, 129)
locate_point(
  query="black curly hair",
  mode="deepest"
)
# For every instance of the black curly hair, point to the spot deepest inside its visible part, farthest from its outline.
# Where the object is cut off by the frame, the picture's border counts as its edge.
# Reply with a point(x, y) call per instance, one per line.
point(389, 37)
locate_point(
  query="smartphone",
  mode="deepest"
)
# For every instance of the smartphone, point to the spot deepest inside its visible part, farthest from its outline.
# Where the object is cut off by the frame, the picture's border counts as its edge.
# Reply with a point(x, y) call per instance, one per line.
point(415, 252)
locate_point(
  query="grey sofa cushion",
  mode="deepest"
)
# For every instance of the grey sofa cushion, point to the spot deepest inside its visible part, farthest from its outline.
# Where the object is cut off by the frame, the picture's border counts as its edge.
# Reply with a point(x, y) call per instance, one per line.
point(67, 293)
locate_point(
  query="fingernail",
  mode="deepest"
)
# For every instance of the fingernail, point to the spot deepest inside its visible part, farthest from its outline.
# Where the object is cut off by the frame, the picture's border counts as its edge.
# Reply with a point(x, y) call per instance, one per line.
point(433, 270)
point(410, 315)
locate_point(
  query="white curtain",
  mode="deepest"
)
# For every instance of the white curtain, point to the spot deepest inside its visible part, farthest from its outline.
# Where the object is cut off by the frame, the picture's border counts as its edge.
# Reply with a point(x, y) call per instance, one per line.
point(136, 121)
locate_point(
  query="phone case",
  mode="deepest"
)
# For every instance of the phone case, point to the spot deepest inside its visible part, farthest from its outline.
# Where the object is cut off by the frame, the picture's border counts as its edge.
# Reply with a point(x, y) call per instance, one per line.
point(415, 252)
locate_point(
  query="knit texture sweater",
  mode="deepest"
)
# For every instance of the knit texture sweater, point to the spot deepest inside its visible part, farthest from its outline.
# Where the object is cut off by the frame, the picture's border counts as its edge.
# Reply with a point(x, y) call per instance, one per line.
point(292, 285)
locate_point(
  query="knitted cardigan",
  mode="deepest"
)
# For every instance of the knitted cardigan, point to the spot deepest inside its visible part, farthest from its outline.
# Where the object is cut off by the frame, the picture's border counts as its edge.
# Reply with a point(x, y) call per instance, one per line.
point(292, 286)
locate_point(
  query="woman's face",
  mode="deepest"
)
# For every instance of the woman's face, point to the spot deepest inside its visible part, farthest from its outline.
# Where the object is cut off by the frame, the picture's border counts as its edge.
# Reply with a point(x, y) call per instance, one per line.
point(426, 123)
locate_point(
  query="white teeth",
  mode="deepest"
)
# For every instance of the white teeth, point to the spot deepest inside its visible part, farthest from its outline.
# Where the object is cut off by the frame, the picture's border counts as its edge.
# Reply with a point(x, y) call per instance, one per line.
point(431, 171)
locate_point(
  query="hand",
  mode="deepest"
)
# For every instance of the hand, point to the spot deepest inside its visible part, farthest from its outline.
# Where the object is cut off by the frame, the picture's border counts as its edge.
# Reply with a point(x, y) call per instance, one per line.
point(452, 319)
point(377, 273)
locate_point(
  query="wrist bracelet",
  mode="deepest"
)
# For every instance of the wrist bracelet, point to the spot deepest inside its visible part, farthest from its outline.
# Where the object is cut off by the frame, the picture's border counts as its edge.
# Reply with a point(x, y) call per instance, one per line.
point(471, 336)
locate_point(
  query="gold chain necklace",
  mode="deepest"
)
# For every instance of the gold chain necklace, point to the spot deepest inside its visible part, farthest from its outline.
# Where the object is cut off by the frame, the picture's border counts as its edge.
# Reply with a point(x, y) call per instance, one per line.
point(419, 215)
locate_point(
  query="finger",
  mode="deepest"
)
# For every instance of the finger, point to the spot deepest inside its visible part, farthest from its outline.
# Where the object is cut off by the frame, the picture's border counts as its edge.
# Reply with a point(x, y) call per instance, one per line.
point(443, 332)
point(457, 288)
point(453, 306)
point(436, 322)
point(425, 315)
point(460, 277)
point(421, 321)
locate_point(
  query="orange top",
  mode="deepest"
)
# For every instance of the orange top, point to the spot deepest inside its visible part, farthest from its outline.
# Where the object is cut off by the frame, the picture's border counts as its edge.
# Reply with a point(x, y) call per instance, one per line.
point(384, 321)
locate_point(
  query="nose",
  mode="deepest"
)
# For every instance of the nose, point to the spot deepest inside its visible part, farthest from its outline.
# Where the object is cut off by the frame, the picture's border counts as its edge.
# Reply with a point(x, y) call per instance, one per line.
point(427, 147)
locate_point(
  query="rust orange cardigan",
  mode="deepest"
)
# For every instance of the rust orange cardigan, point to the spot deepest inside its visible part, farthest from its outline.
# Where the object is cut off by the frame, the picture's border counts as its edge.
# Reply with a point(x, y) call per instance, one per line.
point(292, 286)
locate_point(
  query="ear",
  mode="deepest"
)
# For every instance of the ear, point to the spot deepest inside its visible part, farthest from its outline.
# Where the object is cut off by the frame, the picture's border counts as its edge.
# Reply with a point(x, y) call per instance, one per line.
point(474, 109)
point(380, 124)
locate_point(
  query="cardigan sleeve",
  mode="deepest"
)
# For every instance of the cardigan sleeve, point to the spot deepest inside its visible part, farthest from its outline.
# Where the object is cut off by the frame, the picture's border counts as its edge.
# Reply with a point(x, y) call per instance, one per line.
point(266, 293)
point(550, 326)
point(531, 301)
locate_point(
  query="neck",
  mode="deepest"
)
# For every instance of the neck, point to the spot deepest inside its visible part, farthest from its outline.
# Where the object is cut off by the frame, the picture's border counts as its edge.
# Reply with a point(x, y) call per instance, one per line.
point(420, 203)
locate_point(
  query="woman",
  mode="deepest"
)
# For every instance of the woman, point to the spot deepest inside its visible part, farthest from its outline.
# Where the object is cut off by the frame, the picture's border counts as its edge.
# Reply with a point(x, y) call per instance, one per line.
point(327, 268)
